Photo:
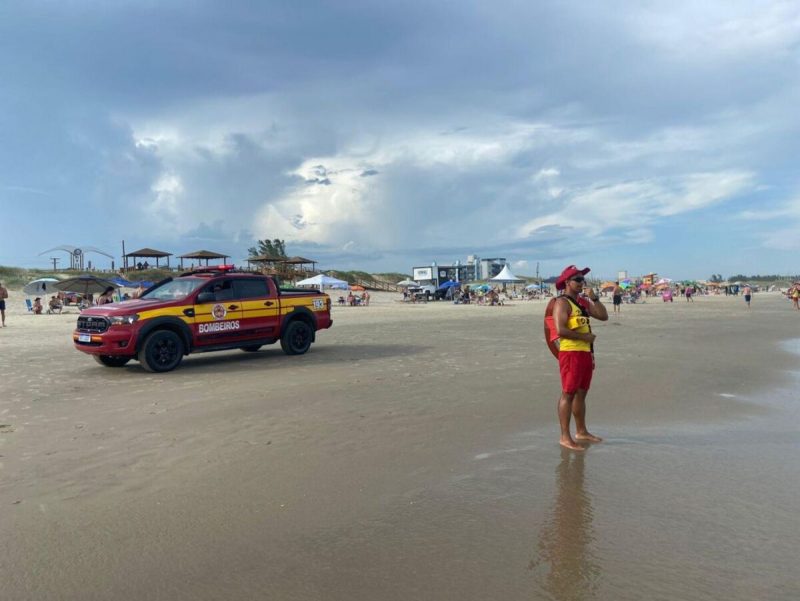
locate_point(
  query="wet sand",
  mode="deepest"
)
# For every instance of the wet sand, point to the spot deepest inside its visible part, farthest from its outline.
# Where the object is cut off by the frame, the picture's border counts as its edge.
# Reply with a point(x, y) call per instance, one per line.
point(412, 454)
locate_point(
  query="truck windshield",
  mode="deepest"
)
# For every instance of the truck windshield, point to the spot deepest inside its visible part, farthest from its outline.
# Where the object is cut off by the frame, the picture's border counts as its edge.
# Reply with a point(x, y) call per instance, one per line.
point(175, 289)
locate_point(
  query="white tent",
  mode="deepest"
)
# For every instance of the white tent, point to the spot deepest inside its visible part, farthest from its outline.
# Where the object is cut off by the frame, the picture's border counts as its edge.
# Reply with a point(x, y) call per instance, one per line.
point(506, 276)
point(324, 280)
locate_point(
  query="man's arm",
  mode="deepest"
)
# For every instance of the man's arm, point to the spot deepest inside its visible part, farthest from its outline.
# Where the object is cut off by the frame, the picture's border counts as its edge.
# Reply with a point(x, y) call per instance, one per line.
point(596, 308)
point(560, 316)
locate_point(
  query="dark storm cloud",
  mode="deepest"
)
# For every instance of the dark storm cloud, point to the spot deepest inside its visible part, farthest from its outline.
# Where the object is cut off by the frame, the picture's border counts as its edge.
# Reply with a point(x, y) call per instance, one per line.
point(492, 126)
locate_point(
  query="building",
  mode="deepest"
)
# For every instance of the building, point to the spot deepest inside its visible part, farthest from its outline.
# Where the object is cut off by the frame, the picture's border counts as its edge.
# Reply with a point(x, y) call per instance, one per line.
point(474, 269)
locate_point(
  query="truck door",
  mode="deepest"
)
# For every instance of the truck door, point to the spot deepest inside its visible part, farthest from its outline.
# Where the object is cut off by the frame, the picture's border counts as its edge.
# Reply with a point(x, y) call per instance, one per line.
point(261, 308)
point(218, 321)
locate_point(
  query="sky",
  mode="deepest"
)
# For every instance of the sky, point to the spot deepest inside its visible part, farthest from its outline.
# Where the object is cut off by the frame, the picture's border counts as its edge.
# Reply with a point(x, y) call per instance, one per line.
point(648, 137)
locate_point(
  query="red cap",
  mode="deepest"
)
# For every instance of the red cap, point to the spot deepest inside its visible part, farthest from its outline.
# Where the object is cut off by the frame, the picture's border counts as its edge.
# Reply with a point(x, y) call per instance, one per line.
point(569, 272)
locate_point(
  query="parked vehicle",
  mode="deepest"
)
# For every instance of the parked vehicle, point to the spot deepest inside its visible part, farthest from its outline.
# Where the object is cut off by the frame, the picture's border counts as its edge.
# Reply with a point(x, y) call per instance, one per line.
point(201, 311)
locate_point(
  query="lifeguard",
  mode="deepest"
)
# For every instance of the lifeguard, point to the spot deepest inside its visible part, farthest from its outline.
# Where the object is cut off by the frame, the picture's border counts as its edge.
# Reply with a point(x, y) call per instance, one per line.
point(571, 317)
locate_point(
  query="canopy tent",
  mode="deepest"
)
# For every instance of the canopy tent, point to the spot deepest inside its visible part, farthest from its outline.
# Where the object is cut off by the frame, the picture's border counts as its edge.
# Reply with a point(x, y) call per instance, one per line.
point(202, 254)
point(146, 253)
point(541, 286)
point(122, 282)
point(40, 287)
point(663, 281)
point(324, 280)
point(506, 276)
point(449, 284)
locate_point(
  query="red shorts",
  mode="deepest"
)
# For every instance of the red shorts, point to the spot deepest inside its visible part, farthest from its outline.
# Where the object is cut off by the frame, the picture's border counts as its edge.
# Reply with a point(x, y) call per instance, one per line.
point(576, 370)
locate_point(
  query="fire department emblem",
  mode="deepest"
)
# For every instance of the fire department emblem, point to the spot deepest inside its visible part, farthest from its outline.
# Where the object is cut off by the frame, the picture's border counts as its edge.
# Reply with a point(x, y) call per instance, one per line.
point(219, 312)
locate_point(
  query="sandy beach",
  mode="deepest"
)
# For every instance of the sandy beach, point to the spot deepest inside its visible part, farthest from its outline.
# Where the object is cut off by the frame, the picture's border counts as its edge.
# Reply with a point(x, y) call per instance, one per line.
point(411, 454)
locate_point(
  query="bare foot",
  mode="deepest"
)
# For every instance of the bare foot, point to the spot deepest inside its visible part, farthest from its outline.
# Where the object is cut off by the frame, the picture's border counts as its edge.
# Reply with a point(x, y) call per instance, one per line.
point(588, 437)
point(571, 445)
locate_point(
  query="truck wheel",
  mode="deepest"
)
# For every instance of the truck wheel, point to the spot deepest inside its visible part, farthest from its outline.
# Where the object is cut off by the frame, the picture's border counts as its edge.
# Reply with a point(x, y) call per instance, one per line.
point(296, 340)
point(252, 348)
point(111, 360)
point(162, 351)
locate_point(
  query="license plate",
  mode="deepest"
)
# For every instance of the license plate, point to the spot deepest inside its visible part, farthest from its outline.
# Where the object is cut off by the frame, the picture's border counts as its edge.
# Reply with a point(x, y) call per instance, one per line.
point(84, 338)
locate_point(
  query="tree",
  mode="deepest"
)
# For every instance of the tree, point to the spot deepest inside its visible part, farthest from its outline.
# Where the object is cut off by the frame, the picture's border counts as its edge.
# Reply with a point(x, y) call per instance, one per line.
point(270, 248)
point(715, 277)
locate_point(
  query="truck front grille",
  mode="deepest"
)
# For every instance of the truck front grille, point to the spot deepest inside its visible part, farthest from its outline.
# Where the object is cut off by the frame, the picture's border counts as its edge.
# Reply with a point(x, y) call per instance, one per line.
point(93, 324)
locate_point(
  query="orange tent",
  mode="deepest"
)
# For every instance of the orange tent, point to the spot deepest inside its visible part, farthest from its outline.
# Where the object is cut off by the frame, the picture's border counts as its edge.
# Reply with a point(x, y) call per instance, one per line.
point(357, 288)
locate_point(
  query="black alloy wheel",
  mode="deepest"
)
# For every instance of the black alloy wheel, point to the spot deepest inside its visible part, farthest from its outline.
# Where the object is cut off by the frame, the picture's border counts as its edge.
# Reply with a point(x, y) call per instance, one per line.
point(296, 340)
point(112, 360)
point(162, 351)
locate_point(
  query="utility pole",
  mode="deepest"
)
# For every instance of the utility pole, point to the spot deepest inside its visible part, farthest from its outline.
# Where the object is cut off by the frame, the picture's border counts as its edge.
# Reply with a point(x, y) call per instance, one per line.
point(124, 259)
point(537, 275)
point(55, 261)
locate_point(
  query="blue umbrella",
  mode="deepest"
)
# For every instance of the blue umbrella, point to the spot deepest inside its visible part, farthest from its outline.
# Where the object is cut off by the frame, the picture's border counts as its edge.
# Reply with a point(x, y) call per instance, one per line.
point(449, 284)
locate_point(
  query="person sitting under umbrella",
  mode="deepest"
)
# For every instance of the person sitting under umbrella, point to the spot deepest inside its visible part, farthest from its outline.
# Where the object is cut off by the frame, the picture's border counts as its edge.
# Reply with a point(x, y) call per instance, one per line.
point(37, 305)
point(106, 297)
point(54, 306)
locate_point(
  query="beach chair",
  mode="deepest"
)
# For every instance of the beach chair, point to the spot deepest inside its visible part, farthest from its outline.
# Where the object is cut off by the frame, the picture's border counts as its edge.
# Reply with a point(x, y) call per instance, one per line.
point(29, 304)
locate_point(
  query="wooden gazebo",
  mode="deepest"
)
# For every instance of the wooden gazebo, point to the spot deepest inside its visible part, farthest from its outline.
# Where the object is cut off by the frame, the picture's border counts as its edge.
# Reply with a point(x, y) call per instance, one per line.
point(145, 253)
point(285, 268)
point(201, 255)
point(296, 262)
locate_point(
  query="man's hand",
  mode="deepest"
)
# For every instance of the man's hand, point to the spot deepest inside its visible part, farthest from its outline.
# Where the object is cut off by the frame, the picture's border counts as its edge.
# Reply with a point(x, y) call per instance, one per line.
point(590, 338)
point(591, 294)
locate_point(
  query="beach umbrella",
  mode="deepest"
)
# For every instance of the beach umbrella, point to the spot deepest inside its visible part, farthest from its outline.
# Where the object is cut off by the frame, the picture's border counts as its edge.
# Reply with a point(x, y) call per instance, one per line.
point(40, 287)
point(407, 283)
point(449, 284)
point(357, 288)
point(85, 284)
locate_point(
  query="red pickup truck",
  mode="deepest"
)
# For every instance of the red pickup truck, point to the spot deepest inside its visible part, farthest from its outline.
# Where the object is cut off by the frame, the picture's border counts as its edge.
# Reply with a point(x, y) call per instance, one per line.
point(202, 311)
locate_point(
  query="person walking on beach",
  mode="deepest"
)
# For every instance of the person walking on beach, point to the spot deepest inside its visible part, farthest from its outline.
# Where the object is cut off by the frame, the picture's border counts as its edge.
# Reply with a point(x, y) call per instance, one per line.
point(794, 294)
point(689, 292)
point(3, 297)
point(616, 295)
point(571, 315)
point(747, 294)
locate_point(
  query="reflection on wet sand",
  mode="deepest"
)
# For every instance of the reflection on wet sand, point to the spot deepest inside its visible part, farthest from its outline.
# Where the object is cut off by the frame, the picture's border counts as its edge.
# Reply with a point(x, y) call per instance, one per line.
point(566, 539)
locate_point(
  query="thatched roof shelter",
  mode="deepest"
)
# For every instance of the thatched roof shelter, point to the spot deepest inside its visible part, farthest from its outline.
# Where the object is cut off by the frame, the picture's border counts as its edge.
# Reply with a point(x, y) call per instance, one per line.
point(202, 254)
point(146, 253)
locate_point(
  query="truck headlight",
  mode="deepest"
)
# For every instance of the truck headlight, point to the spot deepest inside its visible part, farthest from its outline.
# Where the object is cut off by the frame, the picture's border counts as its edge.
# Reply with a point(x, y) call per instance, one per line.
point(123, 320)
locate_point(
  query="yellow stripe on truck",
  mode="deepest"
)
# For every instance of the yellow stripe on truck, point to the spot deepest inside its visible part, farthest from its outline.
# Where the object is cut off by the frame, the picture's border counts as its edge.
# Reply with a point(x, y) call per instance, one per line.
point(167, 312)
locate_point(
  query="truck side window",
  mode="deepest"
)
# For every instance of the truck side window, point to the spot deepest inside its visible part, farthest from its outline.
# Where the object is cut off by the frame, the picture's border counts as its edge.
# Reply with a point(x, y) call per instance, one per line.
point(251, 288)
point(223, 290)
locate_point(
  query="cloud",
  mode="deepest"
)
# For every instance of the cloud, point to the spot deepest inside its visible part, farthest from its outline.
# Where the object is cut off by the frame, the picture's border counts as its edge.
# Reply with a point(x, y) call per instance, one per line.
point(403, 133)
point(636, 204)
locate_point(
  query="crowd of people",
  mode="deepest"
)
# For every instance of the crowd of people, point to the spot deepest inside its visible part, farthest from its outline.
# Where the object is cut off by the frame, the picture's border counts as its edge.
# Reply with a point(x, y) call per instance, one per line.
point(354, 300)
